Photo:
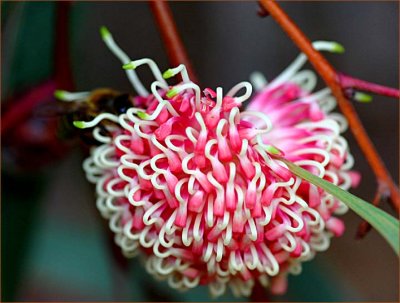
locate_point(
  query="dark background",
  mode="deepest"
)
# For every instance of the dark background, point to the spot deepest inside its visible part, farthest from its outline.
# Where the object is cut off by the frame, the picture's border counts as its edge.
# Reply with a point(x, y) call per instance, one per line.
point(55, 246)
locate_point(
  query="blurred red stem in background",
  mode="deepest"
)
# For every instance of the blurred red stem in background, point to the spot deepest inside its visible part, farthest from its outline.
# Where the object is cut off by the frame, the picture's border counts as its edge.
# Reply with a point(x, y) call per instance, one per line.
point(386, 185)
point(21, 108)
point(62, 67)
point(346, 81)
point(259, 293)
point(175, 49)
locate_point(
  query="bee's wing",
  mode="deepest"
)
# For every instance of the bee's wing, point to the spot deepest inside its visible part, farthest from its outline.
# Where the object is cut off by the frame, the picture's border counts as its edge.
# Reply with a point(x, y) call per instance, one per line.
point(57, 109)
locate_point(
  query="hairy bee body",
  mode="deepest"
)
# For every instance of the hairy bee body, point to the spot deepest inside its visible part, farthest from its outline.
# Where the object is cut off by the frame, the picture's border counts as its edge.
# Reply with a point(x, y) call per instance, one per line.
point(98, 101)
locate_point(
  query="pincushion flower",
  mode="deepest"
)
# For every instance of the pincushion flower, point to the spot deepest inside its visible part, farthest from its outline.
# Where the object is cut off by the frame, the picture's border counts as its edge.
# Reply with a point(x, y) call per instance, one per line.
point(195, 183)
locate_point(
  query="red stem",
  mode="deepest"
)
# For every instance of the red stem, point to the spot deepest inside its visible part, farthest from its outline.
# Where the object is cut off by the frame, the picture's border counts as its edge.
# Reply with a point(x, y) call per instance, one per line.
point(175, 50)
point(62, 66)
point(329, 75)
point(350, 82)
point(259, 293)
point(21, 108)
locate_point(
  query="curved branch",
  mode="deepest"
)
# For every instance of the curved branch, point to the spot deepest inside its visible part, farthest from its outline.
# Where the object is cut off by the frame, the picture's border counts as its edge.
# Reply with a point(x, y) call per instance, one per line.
point(175, 50)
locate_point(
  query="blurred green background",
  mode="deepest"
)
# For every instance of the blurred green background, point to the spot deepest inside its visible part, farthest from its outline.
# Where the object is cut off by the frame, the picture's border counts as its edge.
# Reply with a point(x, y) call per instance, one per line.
point(55, 246)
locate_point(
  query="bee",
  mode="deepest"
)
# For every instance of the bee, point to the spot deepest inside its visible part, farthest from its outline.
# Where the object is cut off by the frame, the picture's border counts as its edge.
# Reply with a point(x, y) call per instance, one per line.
point(86, 107)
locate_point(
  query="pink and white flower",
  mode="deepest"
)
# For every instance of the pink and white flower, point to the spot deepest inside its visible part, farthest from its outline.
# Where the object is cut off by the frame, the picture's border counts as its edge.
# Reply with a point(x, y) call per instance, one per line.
point(195, 184)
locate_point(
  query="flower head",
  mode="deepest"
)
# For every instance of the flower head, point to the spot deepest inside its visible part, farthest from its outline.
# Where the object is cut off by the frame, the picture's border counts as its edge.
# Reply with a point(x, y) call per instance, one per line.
point(196, 185)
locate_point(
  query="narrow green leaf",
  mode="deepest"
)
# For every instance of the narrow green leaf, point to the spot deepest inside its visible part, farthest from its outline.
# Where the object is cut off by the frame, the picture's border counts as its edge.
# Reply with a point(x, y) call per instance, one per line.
point(384, 223)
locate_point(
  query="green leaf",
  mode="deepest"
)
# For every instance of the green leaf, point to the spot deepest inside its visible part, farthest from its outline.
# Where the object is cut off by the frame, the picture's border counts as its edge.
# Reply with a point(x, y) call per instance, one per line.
point(384, 223)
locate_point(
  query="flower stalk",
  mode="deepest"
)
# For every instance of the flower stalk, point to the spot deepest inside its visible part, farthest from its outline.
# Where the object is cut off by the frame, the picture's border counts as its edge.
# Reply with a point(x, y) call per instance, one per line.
point(175, 49)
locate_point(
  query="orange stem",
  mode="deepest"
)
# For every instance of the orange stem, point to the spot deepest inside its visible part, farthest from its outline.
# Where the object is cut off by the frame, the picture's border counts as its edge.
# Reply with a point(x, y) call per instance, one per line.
point(175, 50)
point(330, 76)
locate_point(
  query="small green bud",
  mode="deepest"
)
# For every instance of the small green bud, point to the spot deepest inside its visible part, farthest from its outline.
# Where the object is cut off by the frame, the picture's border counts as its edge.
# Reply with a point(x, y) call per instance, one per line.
point(172, 93)
point(59, 94)
point(129, 65)
point(338, 48)
point(168, 74)
point(362, 97)
point(79, 124)
point(142, 115)
point(104, 32)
